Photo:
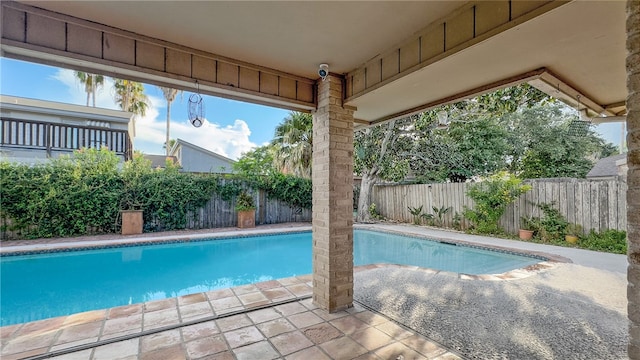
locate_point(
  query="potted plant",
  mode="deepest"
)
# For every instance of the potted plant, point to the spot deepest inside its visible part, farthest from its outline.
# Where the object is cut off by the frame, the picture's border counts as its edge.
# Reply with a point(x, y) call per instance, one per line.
point(133, 199)
point(131, 205)
point(246, 210)
point(527, 228)
point(571, 233)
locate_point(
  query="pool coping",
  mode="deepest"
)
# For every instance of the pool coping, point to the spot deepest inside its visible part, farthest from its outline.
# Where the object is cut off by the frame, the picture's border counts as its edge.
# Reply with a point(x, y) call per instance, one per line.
point(42, 248)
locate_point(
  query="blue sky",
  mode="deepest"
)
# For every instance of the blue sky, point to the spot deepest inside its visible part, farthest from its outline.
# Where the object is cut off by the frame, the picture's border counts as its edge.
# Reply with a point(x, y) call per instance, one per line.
point(232, 127)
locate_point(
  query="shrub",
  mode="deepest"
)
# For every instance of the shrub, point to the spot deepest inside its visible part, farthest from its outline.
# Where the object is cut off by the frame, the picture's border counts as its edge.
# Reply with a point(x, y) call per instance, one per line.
point(613, 241)
point(64, 197)
point(458, 222)
point(293, 190)
point(85, 193)
point(529, 223)
point(552, 225)
point(491, 198)
point(374, 213)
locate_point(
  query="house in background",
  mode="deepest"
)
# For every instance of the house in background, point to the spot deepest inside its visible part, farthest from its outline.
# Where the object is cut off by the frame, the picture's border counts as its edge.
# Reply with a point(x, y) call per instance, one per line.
point(193, 158)
point(32, 131)
point(610, 168)
point(160, 161)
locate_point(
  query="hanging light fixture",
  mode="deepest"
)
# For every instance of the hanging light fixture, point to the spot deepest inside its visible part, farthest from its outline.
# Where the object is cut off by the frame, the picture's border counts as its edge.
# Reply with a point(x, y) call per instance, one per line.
point(579, 127)
point(196, 108)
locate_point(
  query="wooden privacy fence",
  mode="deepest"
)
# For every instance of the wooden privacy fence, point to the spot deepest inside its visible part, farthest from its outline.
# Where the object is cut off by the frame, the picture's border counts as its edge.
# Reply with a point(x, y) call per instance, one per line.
point(593, 204)
point(219, 213)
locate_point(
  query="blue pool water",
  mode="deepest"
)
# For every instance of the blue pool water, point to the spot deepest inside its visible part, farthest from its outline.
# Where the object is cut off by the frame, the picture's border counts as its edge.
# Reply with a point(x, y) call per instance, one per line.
point(34, 287)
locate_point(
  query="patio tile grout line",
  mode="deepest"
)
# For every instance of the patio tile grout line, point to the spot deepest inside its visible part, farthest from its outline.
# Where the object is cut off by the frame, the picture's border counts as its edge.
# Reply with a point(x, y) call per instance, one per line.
point(160, 329)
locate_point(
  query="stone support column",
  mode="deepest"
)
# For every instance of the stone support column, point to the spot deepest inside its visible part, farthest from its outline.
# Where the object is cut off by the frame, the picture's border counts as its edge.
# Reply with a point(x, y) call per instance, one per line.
point(332, 198)
point(633, 176)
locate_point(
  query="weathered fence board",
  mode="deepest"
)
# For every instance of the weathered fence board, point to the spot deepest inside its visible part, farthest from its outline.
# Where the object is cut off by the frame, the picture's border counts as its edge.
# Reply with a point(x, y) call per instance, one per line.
point(592, 204)
point(220, 213)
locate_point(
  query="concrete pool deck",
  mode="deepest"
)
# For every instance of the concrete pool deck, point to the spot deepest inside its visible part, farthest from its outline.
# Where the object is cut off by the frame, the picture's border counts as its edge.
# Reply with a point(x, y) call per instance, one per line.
point(276, 319)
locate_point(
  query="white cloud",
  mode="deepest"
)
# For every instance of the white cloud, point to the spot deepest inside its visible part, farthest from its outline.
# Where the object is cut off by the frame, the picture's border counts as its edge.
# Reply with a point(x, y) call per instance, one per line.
point(77, 95)
point(230, 140)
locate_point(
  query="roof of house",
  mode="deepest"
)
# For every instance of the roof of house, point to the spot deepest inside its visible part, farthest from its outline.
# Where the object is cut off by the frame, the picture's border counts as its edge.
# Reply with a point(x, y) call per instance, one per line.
point(606, 166)
point(159, 161)
point(180, 142)
point(57, 108)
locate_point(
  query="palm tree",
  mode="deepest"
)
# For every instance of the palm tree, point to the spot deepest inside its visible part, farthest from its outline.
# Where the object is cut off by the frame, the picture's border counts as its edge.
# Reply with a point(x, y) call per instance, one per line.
point(129, 96)
point(169, 95)
point(91, 82)
point(171, 143)
point(293, 143)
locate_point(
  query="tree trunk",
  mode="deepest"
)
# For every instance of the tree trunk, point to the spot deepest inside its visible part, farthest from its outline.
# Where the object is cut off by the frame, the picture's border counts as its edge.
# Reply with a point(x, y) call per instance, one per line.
point(365, 197)
point(93, 90)
point(166, 144)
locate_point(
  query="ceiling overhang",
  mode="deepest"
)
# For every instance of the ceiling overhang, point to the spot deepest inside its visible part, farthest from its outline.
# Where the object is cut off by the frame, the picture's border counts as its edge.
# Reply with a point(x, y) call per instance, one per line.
point(425, 54)
point(575, 52)
point(43, 36)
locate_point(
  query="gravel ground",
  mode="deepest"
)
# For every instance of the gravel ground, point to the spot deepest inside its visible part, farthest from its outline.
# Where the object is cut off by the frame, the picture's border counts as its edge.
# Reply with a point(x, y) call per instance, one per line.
point(567, 312)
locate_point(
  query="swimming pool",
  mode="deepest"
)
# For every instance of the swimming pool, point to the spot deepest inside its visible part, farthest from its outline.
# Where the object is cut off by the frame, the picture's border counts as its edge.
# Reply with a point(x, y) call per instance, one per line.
point(40, 286)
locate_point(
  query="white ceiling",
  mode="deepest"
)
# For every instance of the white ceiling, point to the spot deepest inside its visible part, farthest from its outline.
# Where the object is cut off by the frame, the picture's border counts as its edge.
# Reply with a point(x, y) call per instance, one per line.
point(582, 42)
point(291, 36)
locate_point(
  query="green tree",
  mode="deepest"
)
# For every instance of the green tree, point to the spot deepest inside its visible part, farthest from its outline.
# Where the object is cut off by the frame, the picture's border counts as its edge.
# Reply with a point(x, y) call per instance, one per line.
point(482, 147)
point(382, 152)
point(169, 95)
point(475, 143)
point(129, 96)
point(92, 83)
point(256, 169)
point(171, 143)
point(435, 156)
point(293, 144)
point(257, 162)
point(510, 99)
point(545, 145)
point(608, 149)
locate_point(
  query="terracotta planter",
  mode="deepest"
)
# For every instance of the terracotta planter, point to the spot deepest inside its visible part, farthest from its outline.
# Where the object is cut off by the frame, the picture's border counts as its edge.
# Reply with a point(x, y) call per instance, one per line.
point(525, 234)
point(571, 239)
point(246, 219)
point(131, 222)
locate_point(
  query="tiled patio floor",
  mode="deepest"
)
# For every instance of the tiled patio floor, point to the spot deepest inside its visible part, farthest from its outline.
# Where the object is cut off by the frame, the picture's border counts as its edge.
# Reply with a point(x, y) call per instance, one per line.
point(269, 320)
